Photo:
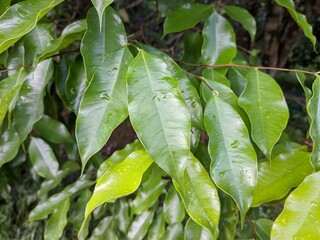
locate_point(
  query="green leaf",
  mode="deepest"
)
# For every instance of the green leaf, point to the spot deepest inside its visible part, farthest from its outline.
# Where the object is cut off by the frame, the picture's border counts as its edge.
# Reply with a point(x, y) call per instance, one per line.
point(192, 43)
point(242, 16)
point(194, 231)
point(219, 46)
point(52, 130)
point(267, 109)
point(173, 207)
point(185, 17)
point(313, 108)
point(234, 161)
point(119, 180)
point(103, 230)
point(301, 79)
point(300, 216)
point(121, 214)
point(48, 206)
point(139, 227)
point(158, 113)
point(173, 232)
point(276, 179)
point(43, 159)
point(4, 5)
point(200, 196)
point(157, 228)
point(105, 98)
point(100, 6)
point(9, 145)
point(262, 228)
point(70, 34)
point(21, 18)
point(8, 89)
point(299, 18)
point(57, 221)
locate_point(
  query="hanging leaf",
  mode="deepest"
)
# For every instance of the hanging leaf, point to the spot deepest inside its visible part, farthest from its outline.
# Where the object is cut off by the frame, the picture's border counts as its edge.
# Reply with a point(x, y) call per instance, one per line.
point(57, 221)
point(103, 230)
point(267, 109)
point(313, 109)
point(185, 17)
point(276, 179)
point(234, 161)
point(300, 216)
point(71, 33)
point(100, 6)
point(157, 227)
point(242, 16)
point(173, 209)
point(299, 18)
point(194, 231)
point(301, 79)
point(21, 18)
point(200, 196)
point(262, 228)
point(121, 214)
point(173, 232)
point(119, 180)
point(140, 226)
point(105, 98)
point(158, 113)
point(219, 46)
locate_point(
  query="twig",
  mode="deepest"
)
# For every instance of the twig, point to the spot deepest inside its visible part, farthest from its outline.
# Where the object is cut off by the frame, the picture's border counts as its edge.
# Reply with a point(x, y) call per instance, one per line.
point(202, 80)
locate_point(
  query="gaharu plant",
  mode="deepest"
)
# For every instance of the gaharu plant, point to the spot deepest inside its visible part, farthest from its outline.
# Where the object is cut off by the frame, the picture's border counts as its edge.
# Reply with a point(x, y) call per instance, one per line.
point(58, 111)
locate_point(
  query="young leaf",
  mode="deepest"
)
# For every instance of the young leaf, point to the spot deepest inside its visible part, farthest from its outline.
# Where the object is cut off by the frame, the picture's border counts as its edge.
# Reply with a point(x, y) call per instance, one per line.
point(242, 16)
point(300, 216)
point(194, 231)
point(43, 158)
point(186, 17)
point(299, 18)
point(267, 109)
point(313, 109)
point(219, 46)
point(100, 6)
point(234, 162)
point(57, 221)
point(140, 226)
point(158, 113)
point(200, 196)
point(21, 18)
point(275, 180)
point(173, 209)
point(119, 180)
point(106, 56)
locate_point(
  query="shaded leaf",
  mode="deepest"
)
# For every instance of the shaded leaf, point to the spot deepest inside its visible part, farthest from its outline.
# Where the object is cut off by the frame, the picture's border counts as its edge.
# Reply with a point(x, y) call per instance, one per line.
point(105, 98)
point(194, 231)
point(192, 43)
point(276, 179)
point(173, 232)
point(242, 16)
point(9, 145)
point(173, 209)
point(300, 216)
point(234, 161)
point(121, 215)
point(301, 79)
point(103, 230)
point(157, 228)
point(21, 18)
point(4, 5)
point(267, 109)
point(140, 225)
point(262, 228)
point(185, 17)
point(219, 46)
point(158, 113)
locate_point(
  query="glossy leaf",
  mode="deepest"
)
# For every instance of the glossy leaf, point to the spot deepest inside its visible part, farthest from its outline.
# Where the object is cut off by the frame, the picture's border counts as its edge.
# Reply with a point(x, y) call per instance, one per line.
point(276, 179)
point(301, 79)
point(219, 46)
point(158, 113)
point(242, 16)
point(234, 161)
point(300, 216)
point(185, 17)
point(313, 108)
point(173, 207)
point(100, 6)
point(71, 33)
point(267, 109)
point(48, 206)
point(140, 225)
point(299, 18)
point(52, 130)
point(8, 89)
point(43, 159)
point(121, 215)
point(173, 232)
point(100, 232)
point(157, 227)
point(262, 228)
point(21, 18)
point(105, 98)
point(9, 145)
point(57, 221)
point(194, 231)
point(192, 43)
point(119, 180)
point(200, 196)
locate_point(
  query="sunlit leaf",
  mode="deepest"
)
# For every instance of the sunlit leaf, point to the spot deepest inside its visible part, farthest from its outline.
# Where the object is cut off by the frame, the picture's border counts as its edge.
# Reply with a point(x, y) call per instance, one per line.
point(105, 98)
point(140, 225)
point(194, 231)
point(267, 109)
point(173, 209)
point(186, 17)
point(21, 18)
point(276, 179)
point(300, 216)
point(234, 162)
point(158, 113)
